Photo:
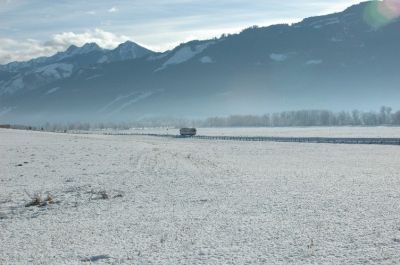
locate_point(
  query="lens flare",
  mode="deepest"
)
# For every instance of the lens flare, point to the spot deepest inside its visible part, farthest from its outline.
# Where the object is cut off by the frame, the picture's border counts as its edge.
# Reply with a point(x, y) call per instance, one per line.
point(381, 13)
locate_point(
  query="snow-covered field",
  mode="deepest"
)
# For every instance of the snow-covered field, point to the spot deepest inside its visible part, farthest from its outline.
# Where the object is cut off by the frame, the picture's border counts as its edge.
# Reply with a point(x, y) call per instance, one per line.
point(145, 200)
point(383, 132)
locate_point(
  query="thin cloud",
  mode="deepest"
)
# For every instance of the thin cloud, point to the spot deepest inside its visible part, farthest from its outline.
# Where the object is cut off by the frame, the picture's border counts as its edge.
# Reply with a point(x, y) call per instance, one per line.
point(113, 9)
point(102, 38)
point(91, 12)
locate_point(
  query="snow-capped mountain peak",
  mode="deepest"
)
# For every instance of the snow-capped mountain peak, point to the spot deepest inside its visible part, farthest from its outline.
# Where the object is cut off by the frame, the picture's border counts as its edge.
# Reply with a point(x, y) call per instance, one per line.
point(89, 47)
point(127, 51)
point(71, 49)
point(85, 49)
point(127, 44)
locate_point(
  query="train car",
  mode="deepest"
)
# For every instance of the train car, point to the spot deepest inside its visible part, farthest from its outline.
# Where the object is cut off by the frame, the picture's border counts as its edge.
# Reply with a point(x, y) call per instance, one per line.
point(187, 132)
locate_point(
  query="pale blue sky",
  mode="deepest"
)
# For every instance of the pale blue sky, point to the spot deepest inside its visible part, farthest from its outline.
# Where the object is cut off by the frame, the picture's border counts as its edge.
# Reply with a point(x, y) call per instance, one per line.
point(31, 28)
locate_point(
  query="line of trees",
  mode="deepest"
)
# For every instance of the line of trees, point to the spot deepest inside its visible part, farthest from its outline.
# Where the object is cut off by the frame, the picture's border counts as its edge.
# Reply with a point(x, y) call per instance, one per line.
point(87, 126)
point(309, 118)
point(385, 116)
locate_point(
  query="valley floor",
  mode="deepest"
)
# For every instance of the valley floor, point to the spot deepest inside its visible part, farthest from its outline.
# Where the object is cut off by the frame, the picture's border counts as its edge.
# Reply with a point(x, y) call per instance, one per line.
point(144, 200)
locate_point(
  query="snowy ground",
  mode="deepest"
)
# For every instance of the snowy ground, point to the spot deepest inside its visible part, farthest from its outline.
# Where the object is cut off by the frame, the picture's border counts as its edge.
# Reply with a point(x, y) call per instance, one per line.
point(183, 201)
point(383, 132)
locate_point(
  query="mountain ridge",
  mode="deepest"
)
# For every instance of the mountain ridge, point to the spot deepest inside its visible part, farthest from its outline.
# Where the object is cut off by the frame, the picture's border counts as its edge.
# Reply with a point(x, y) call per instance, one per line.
point(74, 50)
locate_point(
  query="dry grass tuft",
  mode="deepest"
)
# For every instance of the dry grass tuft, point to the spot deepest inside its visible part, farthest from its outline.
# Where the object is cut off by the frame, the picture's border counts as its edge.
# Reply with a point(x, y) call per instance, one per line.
point(99, 195)
point(38, 200)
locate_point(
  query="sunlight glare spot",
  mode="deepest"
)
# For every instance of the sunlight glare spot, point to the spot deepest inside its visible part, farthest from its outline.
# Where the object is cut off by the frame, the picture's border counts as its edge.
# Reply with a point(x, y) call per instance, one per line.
point(378, 14)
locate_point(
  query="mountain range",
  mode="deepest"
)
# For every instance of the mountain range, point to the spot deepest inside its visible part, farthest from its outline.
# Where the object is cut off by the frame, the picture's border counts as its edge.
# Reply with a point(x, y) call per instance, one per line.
point(336, 61)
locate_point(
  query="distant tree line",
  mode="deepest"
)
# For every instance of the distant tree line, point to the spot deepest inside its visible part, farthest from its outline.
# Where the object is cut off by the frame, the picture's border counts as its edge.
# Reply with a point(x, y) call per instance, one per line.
point(88, 126)
point(302, 118)
point(309, 118)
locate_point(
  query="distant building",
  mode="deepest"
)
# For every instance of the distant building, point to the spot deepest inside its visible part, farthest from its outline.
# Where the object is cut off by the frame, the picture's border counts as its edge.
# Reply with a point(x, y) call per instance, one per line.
point(188, 131)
